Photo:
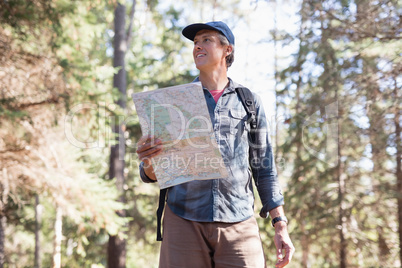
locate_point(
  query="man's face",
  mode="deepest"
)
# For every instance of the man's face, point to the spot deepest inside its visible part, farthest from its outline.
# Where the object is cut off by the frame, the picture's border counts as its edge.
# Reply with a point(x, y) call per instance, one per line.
point(208, 53)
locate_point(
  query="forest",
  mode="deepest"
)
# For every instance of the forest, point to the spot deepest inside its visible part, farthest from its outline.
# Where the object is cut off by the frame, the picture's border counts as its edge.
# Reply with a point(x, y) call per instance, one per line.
point(330, 75)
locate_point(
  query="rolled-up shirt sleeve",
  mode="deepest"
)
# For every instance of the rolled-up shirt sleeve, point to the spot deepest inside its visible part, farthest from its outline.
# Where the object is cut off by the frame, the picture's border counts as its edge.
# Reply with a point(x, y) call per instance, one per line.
point(263, 166)
point(144, 176)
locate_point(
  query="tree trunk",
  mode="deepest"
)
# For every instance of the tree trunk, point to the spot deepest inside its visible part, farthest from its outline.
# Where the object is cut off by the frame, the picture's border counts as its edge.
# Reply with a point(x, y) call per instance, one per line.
point(305, 243)
point(4, 190)
point(58, 225)
point(3, 223)
point(331, 81)
point(117, 245)
point(38, 224)
point(378, 141)
point(341, 196)
point(398, 172)
point(342, 225)
point(299, 121)
point(276, 76)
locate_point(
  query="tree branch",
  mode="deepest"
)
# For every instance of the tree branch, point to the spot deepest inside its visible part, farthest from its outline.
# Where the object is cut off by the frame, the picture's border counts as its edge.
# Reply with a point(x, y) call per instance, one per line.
point(130, 25)
point(361, 31)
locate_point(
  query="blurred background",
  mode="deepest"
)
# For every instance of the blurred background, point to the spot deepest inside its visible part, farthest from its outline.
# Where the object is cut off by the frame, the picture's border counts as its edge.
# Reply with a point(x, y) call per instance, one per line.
point(329, 73)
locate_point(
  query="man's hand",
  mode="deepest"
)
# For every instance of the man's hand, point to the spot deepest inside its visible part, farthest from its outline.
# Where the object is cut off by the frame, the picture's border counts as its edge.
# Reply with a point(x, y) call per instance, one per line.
point(148, 147)
point(284, 246)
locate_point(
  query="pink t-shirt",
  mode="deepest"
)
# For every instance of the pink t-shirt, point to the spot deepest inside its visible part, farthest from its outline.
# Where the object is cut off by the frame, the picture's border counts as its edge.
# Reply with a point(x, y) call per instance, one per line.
point(216, 94)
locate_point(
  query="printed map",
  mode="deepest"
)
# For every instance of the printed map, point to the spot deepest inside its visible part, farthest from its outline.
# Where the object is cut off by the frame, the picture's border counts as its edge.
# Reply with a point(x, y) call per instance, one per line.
point(179, 117)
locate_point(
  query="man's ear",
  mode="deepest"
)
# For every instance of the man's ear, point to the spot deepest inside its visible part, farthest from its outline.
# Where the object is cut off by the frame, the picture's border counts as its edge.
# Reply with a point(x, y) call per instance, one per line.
point(229, 50)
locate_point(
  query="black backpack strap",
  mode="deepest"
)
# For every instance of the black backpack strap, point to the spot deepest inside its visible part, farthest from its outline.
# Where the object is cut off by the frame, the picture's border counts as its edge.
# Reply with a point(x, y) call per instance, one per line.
point(247, 99)
point(159, 213)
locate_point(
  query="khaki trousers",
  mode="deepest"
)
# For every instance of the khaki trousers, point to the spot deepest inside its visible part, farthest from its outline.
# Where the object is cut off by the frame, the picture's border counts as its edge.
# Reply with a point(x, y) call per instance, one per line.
point(189, 244)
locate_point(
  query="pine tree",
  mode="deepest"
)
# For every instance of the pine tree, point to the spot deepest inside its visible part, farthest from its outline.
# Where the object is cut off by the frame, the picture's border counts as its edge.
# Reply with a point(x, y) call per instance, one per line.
point(343, 48)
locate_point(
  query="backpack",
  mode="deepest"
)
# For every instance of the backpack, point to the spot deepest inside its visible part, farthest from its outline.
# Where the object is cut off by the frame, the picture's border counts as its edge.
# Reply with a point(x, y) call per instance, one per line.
point(247, 99)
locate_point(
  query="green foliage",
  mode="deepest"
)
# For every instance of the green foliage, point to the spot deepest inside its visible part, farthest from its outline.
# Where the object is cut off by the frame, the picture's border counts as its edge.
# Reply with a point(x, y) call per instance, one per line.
point(36, 156)
point(342, 60)
point(69, 45)
point(56, 60)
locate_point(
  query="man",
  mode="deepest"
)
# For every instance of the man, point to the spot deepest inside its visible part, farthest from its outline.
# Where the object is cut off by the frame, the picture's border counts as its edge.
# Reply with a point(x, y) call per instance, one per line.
point(210, 223)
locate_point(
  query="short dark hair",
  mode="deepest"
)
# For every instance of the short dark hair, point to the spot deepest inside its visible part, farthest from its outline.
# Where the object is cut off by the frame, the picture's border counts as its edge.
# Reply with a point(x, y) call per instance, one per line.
point(225, 42)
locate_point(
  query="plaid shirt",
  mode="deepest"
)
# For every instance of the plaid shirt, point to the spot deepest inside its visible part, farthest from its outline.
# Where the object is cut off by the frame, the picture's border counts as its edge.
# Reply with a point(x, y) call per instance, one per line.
point(230, 199)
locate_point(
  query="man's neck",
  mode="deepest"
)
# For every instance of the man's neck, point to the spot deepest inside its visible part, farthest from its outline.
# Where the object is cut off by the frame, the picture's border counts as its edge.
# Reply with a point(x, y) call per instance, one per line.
point(214, 80)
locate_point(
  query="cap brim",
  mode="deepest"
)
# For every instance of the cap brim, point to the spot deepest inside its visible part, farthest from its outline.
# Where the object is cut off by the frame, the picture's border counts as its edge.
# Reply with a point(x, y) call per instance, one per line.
point(191, 30)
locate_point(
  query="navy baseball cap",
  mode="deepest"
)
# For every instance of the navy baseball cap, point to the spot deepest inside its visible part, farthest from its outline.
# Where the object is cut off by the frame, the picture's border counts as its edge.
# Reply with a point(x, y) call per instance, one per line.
point(191, 30)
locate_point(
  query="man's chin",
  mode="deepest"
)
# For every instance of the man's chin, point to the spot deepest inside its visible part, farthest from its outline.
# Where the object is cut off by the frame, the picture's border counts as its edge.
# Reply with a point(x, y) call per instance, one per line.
point(199, 66)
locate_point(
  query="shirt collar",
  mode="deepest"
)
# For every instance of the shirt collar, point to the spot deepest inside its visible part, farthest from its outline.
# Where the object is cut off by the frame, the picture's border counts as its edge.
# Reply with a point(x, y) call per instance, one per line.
point(232, 85)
